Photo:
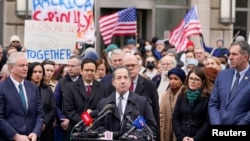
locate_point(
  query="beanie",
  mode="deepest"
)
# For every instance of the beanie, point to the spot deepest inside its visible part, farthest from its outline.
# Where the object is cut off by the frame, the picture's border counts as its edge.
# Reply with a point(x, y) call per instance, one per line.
point(178, 72)
point(111, 47)
point(14, 38)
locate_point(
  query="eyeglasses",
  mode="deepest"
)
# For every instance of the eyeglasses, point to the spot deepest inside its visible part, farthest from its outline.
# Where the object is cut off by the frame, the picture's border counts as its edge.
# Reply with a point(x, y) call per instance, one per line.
point(131, 65)
point(194, 79)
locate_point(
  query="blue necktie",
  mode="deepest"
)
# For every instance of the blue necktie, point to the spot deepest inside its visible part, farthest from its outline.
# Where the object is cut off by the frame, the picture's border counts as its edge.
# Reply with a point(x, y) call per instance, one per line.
point(22, 96)
point(236, 82)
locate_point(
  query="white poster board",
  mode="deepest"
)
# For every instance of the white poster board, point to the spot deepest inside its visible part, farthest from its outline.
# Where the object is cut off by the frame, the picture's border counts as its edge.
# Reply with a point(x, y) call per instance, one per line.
point(68, 11)
point(49, 41)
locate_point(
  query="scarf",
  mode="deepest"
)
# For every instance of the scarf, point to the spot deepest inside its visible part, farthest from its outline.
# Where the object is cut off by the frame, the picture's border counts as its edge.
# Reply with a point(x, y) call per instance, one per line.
point(193, 95)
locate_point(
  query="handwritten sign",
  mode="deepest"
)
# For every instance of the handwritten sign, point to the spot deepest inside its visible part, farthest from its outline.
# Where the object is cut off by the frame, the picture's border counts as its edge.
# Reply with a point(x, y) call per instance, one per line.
point(68, 11)
point(49, 41)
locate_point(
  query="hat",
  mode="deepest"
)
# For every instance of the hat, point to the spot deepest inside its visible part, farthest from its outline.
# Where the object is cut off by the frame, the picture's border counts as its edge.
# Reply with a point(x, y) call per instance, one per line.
point(178, 72)
point(130, 41)
point(91, 54)
point(239, 38)
point(14, 38)
point(111, 47)
point(160, 42)
point(192, 62)
point(173, 51)
point(190, 43)
point(154, 39)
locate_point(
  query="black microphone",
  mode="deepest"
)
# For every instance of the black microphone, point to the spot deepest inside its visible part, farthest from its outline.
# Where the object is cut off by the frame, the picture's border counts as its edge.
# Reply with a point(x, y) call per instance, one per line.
point(86, 118)
point(107, 107)
point(97, 120)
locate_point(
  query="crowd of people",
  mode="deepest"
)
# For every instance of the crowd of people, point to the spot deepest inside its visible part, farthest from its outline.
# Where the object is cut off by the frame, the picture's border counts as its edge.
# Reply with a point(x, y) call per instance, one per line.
point(178, 94)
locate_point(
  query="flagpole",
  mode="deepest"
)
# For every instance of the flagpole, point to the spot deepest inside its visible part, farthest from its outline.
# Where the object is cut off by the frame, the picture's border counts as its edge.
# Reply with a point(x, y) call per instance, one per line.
point(95, 7)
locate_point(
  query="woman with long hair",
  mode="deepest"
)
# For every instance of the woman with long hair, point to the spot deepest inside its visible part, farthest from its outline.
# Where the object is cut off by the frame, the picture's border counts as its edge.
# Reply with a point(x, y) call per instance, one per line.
point(190, 117)
point(36, 74)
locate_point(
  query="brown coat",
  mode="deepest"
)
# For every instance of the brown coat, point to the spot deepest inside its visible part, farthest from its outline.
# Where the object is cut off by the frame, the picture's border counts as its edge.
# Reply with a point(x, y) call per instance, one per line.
point(166, 110)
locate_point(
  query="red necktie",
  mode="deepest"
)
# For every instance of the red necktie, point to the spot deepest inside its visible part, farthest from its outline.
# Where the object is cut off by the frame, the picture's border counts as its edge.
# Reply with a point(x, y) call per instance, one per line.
point(88, 89)
point(131, 88)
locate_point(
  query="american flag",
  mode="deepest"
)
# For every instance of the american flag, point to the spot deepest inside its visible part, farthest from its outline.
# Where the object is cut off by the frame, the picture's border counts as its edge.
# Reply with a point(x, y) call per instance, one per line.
point(190, 25)
point(120, 23)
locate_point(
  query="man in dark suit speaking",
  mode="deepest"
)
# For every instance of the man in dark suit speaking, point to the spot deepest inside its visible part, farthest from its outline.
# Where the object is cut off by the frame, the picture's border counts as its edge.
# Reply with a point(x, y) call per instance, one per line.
point(127, 102)
point(21, 112)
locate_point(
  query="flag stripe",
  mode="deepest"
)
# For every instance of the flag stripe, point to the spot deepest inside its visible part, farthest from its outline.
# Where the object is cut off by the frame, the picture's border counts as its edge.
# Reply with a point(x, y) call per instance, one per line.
point(121, 23)
point(189, 25)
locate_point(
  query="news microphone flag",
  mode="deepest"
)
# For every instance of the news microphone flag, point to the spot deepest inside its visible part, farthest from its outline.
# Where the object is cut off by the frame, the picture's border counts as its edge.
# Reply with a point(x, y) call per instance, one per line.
point(190, 25)
point(139, 122)
point(120, 23)
point(86, 118)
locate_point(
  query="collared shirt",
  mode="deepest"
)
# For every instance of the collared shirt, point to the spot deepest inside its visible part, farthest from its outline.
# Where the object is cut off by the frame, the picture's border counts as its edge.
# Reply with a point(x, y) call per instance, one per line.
point(86, 84)
point(124, 101)
point(242, 74)
point(17, 87)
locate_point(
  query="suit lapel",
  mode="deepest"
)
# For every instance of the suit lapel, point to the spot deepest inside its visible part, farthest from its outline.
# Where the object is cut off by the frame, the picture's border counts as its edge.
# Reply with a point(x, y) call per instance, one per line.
point(15, 93)
point(29, 94)
point(129, 107)
point(229, 83)
point(112, 100)
point(242, 83)
point(139, 85)
point(94, 90)
point(81, 88)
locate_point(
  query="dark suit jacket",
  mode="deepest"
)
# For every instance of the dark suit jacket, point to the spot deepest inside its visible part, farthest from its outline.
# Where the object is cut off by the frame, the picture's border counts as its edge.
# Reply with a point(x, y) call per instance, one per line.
point(107, 79)
point(49, 107)
point(232, 110)
point(157, 79)
point(77, 101)
point(13, 117)
point(134, 103)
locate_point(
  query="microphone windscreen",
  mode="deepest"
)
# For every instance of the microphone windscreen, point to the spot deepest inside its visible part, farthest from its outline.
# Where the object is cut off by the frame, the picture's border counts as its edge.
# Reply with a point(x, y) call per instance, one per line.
point(139, 122)
point(86, 118)
point(94, 114)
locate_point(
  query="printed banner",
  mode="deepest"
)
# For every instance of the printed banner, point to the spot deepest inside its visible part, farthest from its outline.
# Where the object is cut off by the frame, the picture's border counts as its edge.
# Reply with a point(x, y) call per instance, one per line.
point(68, 11)
point(49, 41)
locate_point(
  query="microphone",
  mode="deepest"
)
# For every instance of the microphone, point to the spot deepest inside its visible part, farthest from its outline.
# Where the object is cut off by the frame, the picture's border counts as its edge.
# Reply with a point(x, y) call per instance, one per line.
point(149, 132)
point(107, 107)
point(86, 118)
point(98, 119)
point(137, 124)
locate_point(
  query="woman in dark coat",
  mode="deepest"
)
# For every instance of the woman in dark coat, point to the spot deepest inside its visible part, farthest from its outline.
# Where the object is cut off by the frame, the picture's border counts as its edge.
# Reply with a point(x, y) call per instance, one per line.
point(190, 117)
point(36, 74)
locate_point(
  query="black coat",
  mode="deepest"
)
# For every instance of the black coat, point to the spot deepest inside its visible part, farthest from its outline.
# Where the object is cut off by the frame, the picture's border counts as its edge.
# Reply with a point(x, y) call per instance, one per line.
point(49, 107)
point(192, 121)
point(135, 103)
point(77, 101)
